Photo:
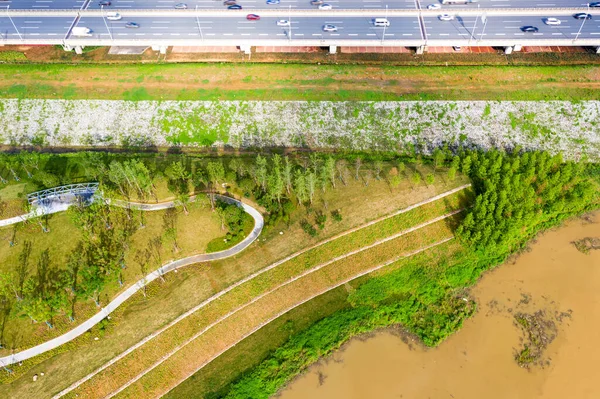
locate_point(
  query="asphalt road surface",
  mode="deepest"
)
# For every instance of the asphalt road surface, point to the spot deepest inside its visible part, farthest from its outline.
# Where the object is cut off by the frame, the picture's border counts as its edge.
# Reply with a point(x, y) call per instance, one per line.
point(239, 27)
point(360, 27)
point(295, 4)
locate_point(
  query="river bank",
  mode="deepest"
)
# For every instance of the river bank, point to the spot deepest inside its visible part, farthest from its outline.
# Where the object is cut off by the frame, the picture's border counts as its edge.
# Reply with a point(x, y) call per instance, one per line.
point(553, 279)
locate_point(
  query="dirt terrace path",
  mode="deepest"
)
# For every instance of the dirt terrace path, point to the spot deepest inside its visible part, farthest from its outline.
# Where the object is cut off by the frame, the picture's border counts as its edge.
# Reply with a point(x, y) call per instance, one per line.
point(129, 292)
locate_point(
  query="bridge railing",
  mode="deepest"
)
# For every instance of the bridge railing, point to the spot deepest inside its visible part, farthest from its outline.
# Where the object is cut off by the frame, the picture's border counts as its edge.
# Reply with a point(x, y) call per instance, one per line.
point(82, 189)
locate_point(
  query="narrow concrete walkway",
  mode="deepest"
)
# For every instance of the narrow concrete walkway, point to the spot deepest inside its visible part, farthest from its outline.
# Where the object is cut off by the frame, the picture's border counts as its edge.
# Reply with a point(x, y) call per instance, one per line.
point(122, 297)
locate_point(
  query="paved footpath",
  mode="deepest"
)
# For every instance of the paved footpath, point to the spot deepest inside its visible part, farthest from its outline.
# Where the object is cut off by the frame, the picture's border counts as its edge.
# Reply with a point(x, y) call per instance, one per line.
point(122, 297)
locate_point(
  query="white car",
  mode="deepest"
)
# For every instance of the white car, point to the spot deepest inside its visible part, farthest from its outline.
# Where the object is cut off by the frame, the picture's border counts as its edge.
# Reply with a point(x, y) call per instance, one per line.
point(329, 28)
point(552, 21)
point(113, 16)
point(434, 6)
point(325, 7)
point(283, 22)
point(446, 17)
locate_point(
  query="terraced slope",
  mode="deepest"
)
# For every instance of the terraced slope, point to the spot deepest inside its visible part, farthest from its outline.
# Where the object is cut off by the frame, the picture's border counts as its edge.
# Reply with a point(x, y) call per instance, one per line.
point(160, 363)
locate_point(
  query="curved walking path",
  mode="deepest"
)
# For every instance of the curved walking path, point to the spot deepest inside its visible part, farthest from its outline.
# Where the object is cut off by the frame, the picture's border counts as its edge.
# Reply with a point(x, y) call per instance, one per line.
point(248, 278)
point(122, 297)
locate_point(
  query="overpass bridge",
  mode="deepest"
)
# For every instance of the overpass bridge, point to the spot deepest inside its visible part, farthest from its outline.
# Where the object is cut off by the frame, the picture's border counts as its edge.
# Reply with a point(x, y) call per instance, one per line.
point(495, 23)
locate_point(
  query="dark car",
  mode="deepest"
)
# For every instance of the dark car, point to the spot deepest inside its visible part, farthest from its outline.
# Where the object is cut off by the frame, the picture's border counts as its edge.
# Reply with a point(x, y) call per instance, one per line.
point(132, 25)
point(252, 17)
point(533, 29)
point(104, 3)
point(235, 7)
point(595, 4)
point(582, 15)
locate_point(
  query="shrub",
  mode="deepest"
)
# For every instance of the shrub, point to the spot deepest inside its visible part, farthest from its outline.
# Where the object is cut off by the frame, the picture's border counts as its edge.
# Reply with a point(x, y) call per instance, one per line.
point(336, 215)
point(308, 228)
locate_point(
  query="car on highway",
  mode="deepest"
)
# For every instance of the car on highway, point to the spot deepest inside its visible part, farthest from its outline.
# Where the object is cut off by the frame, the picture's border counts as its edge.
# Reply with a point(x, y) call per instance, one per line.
point(229, 2)
point(283, 22)
point(181, 6)
point(325, 6)
point(446, 17)
point(234, 7)
point(316, 2)
point(552, 21)
point(381, 22)
point(104, 3)
point(273, 2)
point(434, 6)
point(529, 29)
point(594, 4)
point(132, 25)
point(252, 17)
point(582, 15)
point(329, 28)
point(113, 16)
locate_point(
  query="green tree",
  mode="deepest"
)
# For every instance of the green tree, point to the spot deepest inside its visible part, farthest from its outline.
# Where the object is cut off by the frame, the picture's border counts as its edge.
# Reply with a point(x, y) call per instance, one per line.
point(329, 170)
point(260, 172)
point(416, 178)
point(357, 166)
point(311, 186)
point(170, 227)
point(275, 183)
point(142, 258)
point(287, 174)
point(439, 158)
point(341, 167)
point(430, 179)
point(22, 267)
point(452, 173)
point(216, 174)
point(378, 166)
point(300, 188)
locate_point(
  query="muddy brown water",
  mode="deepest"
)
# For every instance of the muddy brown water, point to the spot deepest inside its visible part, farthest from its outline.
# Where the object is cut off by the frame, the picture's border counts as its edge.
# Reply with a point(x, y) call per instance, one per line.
point(478, 361)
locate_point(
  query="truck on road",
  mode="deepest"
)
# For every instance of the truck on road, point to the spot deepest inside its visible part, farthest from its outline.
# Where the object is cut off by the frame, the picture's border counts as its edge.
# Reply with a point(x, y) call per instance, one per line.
point(81, 31)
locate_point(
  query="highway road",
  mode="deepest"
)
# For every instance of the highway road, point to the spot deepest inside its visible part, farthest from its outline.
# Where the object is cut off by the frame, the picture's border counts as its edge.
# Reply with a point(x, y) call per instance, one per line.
point(266, 28)
point(215, 25)
point(235, 26)
point(294, 4)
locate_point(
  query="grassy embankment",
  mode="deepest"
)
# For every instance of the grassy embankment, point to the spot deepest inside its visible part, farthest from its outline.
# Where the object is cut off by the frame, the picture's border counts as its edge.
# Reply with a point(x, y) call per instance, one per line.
point(215, 378)
point(530, 194)
point(279, 295)
point(356, 201)
point(298, 82)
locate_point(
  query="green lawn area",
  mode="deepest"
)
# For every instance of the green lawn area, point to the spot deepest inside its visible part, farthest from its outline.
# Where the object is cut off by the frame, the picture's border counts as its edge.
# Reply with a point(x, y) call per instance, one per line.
point(298, 82)
point(194, 232)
